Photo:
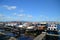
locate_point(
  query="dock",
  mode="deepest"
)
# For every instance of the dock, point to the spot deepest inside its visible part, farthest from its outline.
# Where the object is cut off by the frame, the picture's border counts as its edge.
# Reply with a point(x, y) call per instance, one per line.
point(41, 36)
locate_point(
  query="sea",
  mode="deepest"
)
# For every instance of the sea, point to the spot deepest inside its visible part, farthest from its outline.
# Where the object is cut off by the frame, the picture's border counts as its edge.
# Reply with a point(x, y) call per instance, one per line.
point(24, 37)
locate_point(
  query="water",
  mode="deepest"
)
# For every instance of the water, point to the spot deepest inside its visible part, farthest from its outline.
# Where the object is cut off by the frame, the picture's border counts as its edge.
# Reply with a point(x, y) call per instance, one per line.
point(9, 34)
point(22, 37)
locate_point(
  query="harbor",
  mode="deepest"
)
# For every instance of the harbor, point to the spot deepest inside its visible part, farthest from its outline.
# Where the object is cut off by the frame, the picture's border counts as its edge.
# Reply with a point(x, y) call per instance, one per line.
point(29, 19)
point(31, 31)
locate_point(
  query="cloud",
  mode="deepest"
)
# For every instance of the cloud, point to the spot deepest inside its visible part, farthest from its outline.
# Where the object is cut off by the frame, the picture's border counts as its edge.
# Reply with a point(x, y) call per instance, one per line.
point(18, 15)
point(21, 15)
point(30, 16)
point(15, 14)
point(9, 7)
point(46, 17)
point(9, 17)
point(1, 15)
point(21, 10)
point(43, 17)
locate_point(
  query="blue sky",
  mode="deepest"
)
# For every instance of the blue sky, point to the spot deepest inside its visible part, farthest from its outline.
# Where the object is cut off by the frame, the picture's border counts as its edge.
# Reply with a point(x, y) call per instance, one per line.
point(29, 10)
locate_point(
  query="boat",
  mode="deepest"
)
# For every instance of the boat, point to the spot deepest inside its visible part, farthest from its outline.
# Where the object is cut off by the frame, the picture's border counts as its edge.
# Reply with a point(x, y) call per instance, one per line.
point(52, 27)
point(42, 26)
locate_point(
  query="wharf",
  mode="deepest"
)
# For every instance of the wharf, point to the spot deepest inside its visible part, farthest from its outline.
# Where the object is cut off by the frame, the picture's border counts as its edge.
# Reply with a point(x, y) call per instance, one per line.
point(41, 36)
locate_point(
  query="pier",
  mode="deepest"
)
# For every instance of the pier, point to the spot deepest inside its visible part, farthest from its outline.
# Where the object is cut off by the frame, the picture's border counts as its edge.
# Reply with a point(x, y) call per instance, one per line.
point(41, 36)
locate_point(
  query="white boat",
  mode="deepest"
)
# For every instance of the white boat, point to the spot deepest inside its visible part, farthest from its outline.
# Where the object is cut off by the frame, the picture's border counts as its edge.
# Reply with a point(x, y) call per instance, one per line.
point(52, 27)
point(20, 26)
point(30, 27)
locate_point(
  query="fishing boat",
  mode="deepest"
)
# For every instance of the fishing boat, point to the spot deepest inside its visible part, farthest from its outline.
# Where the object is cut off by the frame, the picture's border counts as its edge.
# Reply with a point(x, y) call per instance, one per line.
point(52, 27)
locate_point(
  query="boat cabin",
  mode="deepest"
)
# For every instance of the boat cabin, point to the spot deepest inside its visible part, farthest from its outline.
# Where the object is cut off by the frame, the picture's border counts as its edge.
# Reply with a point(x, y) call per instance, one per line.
point(52, 27)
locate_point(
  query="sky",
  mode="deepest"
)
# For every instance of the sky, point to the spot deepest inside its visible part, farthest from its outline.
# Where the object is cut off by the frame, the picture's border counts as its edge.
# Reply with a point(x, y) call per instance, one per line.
point(29, 10)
